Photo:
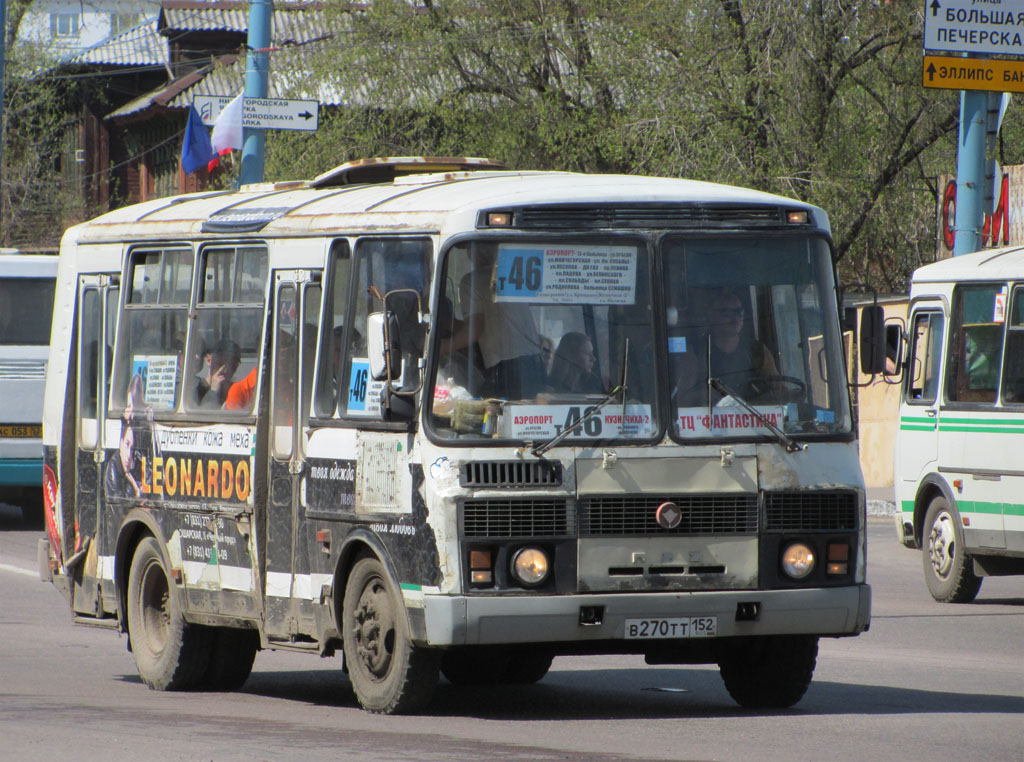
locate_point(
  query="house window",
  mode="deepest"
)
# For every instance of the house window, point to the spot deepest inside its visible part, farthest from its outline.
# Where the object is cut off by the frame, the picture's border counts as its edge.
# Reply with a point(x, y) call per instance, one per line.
point(122, 22)
point(64, 24)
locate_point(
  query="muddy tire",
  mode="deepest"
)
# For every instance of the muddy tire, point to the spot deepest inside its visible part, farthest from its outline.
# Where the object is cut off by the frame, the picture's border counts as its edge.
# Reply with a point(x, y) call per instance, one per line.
point(770, 672)
point(232, 654)
point(170, 653)
point(948, 570)
point(389, 674)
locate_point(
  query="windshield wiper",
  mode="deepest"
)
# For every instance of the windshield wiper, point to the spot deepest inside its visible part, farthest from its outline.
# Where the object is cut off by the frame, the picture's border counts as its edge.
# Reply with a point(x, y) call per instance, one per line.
point(540, 449)
point(784, 439)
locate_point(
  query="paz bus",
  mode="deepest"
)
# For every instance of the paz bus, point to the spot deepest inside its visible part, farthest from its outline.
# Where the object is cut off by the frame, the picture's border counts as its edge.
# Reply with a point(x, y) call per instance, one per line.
point(449, 419)
point(26, 304)
point(958, 473)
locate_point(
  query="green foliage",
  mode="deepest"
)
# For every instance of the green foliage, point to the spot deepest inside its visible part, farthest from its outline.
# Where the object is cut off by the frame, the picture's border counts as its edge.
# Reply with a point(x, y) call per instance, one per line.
point(820, 100)
point(37, 199)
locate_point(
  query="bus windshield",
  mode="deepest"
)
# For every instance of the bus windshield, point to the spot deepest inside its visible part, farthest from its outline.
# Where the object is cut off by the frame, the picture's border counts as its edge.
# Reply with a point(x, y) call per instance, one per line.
point(532, 334)
point(757, 316)
point(26, 306)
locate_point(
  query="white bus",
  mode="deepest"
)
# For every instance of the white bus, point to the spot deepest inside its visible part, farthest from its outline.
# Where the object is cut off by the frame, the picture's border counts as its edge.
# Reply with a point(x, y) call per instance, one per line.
point(26, 304)
point(455, 420)
point(958, 473)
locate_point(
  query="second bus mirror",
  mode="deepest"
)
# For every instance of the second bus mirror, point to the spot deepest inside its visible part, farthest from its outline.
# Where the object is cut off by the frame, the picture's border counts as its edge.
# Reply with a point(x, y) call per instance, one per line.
point(385, 354)
point(872, 339)
point(893, 349)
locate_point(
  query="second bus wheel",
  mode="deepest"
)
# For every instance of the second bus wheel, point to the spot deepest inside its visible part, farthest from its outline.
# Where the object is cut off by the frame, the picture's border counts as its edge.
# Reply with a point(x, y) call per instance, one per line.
point(389, 674)
point(948, 570)
point(170, 653)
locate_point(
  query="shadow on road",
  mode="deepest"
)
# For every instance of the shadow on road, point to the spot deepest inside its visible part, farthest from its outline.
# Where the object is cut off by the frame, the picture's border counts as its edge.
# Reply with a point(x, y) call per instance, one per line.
point(634, 694)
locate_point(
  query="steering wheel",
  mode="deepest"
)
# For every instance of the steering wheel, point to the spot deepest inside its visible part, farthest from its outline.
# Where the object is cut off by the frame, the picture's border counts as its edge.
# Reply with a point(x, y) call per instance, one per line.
point(764, 386)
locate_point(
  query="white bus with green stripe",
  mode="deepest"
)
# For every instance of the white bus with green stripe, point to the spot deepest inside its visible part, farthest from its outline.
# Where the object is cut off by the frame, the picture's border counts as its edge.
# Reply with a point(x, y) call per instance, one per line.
point(959, 459)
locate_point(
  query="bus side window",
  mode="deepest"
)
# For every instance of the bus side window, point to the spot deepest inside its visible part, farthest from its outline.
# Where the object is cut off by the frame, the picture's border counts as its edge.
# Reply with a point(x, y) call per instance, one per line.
point(925, 356)
point(977, 343)
point(225, 354)
point(1013, 369)
point(151, 343)
point(388, 264)
point(334, 337)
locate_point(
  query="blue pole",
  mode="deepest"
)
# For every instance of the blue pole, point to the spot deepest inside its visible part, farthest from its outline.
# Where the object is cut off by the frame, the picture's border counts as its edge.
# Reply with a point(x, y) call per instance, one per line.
point(970, 172)
point(257, 78)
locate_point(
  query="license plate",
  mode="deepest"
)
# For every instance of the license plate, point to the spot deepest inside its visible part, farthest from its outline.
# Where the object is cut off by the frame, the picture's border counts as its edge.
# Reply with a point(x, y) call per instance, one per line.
point(20, 431)
point(672, 627)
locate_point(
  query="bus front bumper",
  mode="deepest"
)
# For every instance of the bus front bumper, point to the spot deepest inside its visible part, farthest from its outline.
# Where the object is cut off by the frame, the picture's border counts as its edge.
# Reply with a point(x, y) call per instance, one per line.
point(483, 620)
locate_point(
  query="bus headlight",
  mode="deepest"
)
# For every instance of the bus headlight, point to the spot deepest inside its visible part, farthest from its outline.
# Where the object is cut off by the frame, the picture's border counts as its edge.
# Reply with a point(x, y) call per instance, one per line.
point(798, 560)
point(530, 566)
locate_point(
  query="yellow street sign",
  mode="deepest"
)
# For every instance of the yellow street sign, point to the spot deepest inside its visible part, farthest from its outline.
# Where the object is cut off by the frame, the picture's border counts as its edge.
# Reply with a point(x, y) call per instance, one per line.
point(973, 74)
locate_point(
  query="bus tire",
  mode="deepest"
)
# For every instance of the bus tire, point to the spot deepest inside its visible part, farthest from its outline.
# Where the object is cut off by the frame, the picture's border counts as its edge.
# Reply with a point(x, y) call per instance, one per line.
point(389, 674)
point(528, 666)
point(170, 653)
point(232, 654)
point(495, 665)
point(948, 570)
point(770, 672)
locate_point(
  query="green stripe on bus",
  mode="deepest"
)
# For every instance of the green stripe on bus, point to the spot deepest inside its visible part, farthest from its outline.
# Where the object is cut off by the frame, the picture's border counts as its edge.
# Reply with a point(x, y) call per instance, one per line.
point(981, 429)
point(973, 506)
point(917, 428)
point(978, 421)
point(410, 586)
point(907, 506)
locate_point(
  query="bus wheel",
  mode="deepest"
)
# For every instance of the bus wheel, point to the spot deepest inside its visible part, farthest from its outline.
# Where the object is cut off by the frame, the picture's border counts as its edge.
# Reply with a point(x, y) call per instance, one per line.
point(231, 658)
point(948, 570)
point(495, 665)
point(170, 654)
point(388, 673)
point(771, 672)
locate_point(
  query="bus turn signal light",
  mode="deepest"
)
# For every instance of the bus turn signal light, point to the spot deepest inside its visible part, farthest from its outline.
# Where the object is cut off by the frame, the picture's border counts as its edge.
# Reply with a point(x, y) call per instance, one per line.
point(838, 558)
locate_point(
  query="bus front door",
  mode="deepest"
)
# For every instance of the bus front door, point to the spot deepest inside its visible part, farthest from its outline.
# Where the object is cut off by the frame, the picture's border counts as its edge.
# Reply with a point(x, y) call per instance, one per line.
point(917, 442)
point(293, 349)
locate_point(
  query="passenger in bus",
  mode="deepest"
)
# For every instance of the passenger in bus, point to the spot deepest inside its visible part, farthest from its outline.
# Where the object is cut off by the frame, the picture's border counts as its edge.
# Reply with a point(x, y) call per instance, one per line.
point(118, 480)
point(572, 368)
point(214, 379)
point(738, 360)
point(241, 393)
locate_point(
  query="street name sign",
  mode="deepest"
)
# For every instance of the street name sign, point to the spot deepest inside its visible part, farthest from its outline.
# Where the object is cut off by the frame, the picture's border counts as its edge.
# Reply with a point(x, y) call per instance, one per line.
point(952, 73)
point(263, 113)
point(991, 27)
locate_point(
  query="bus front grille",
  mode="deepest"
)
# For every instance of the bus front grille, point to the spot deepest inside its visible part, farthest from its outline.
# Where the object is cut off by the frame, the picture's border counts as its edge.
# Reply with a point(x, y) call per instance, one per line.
point(510, 474)
point(701, 514)
point(504, 519)
point(809, 510)
point(23, 370)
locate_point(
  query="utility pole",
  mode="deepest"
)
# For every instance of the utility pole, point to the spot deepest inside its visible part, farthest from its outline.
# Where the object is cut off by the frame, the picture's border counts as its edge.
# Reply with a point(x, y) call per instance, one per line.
point(970, 172)
point(257, 79)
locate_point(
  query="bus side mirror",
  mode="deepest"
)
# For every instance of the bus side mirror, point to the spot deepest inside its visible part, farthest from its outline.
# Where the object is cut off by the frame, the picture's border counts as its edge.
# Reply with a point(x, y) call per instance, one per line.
point(383, 346)
point(872, 339)
point(893, 349)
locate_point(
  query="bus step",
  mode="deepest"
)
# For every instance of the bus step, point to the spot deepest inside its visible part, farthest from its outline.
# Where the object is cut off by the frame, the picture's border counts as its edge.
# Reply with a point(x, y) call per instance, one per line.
point(107, 623)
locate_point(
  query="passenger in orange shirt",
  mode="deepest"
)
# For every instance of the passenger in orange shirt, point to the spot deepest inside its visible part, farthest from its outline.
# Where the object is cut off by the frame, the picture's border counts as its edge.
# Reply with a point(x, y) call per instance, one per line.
point(241, 393)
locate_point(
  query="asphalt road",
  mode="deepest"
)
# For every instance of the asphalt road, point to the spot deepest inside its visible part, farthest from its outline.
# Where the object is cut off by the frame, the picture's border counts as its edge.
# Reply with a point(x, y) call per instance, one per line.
point(929, 681)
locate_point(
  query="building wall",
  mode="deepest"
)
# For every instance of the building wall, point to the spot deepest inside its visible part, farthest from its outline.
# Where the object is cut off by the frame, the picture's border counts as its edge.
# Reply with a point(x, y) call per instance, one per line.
point(878, 411)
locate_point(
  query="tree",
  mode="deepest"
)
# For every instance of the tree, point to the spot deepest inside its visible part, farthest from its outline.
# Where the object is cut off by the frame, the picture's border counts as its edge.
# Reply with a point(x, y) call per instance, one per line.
point(42, 188)
point(821, 100)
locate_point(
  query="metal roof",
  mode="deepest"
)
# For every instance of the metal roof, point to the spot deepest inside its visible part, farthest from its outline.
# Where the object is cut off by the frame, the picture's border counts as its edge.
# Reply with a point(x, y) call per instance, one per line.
point(431, 202)
point(140, 46)
point(989, 264)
